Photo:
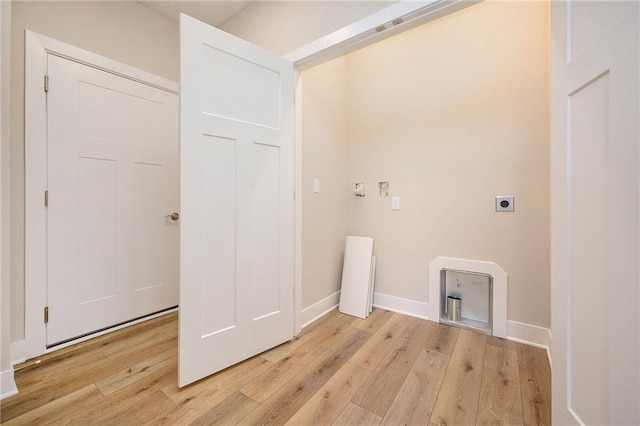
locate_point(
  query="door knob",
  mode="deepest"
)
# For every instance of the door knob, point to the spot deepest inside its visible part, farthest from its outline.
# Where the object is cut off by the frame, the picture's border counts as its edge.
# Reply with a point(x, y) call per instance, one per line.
point(173, 216)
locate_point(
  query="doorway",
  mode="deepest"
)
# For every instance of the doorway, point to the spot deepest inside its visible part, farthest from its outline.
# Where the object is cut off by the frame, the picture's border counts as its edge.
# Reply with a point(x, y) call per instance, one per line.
point(112, 145)
point(101, 188)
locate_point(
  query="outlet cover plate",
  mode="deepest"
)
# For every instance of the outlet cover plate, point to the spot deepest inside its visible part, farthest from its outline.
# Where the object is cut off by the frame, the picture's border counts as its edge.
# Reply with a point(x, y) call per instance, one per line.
point(504, 203)
point(395, 203)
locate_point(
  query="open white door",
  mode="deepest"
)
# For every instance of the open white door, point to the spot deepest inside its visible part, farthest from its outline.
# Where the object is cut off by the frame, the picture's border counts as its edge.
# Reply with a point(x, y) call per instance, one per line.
point(595, 213)
point(237, 177)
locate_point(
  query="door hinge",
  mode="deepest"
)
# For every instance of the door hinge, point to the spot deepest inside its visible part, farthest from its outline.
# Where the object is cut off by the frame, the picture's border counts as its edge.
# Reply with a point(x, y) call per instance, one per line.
point(46, 83)
point(46, 314)
point(46, 198)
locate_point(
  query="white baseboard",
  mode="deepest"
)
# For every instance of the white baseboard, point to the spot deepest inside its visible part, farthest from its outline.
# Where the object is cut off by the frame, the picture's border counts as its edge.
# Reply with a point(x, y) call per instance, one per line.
point(518, 332)
point(7, 384)
point(17, 352)
point(400, 305)
point(530, 335)
point(319, 309)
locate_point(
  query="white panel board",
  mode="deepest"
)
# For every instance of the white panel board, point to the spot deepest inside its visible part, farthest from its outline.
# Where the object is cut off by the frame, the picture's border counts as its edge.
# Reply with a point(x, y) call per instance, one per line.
point(266, 230)
point(96, 222)
point(148, 219)
point(125, 237)
point(122, 116)
point(218, 233)
point(356, 277)
point(372, 283)
point(589, 314)
point(242, 91)
point(590, 20)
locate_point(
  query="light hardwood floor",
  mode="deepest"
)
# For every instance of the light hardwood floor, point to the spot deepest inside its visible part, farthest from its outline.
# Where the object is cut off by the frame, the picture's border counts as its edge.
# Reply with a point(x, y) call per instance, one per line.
point(388, 369)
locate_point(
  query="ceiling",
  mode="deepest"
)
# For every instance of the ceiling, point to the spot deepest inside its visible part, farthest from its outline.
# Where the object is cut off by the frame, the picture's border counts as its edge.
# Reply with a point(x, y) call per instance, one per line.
point(212, 12)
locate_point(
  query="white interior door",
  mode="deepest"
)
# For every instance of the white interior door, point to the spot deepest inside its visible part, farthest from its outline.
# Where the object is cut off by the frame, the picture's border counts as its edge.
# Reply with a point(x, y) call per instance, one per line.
point(595, 213)
point(237, 175)
point(112, 178)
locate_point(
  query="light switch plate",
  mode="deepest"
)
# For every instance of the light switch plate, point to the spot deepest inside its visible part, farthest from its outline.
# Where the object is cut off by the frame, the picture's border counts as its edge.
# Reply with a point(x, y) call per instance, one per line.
point(395, 203)
point(504, 203)
point(316, 185)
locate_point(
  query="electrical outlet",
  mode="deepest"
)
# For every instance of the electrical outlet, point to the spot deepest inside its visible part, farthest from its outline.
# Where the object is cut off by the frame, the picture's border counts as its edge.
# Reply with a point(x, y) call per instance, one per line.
point(504, 203)
point(395, 203)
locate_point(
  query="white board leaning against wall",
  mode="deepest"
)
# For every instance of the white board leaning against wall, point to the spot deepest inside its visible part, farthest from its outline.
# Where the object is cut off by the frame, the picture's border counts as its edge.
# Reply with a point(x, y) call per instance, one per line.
point(358, 276)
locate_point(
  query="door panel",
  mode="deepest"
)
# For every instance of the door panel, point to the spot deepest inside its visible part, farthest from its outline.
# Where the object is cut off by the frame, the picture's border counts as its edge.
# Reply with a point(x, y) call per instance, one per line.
point(112, 178)
point(590, 20)
point(96, 222)
point(236, 144)
point(590, 193)
point(219, 235)
point(149, 217)
point(596, 212)
point(242, 90)
point(124, 116)
point(266, 231)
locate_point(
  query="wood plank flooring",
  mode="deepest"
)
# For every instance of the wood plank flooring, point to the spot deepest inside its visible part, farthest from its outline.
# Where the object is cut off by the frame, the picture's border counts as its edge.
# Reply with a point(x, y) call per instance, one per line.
point(388, 369)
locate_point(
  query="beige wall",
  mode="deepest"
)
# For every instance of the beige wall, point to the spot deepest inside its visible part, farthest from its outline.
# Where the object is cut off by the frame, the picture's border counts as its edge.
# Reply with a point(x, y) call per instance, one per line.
point(283, 26)
point(455, 111)
point(452, 114)
point(128, 32)
point(324, 156)
point(5, 120)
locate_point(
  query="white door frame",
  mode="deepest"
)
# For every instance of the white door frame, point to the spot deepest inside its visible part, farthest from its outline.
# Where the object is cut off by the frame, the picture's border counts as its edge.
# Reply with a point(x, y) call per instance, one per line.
point(405, 14)
point(7, 382)
point(37, 47)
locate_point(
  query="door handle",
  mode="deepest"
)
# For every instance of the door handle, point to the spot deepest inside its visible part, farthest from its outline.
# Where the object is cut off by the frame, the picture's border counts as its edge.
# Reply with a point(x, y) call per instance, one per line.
point(173, 216)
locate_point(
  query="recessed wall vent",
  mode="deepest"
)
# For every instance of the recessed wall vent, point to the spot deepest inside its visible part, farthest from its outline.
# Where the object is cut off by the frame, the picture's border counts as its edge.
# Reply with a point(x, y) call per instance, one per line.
point(481, 287)
point(474, 293)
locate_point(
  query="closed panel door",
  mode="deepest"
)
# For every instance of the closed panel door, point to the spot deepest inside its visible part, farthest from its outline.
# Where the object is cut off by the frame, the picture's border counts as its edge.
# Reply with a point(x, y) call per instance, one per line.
point(112, 179)
point(236, 294)
point(595, 215)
